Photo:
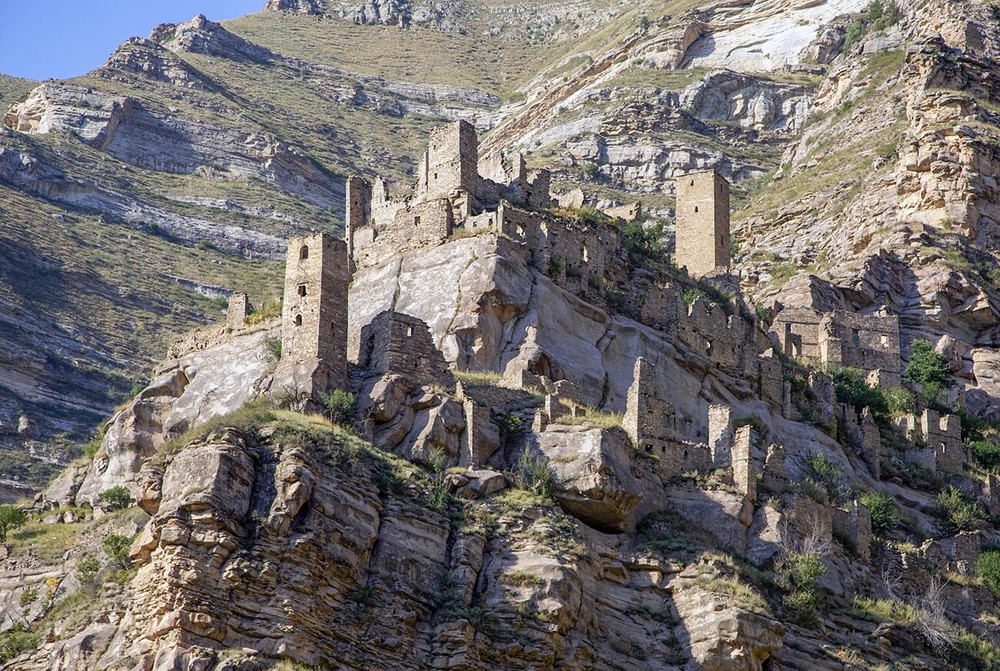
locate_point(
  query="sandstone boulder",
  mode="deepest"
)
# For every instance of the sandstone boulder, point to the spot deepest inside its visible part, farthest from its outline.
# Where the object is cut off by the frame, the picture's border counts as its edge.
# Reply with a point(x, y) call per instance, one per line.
point(592, 475)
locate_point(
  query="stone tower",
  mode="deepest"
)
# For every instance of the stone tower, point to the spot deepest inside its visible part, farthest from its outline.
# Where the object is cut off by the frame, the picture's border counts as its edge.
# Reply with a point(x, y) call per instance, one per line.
point(358, 208)
point(314, 317)
point(451, 162)
point(702, 223)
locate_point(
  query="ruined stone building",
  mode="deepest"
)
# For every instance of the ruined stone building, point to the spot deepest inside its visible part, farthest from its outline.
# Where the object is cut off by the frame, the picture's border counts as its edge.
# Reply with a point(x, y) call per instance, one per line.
point(397, 343)
point(314, 317)
point(453, 191)
point(868, 342)
point(703, 244)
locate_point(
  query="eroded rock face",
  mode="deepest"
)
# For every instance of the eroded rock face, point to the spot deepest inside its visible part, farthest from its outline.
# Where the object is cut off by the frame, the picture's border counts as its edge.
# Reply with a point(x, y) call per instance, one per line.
point(749, 101)
point(279, 550)
point(92, 115)
point(418, 423)
point(189, 390)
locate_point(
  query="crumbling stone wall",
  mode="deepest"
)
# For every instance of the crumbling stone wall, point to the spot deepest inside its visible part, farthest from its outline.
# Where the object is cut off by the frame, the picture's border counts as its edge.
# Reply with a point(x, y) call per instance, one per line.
point(944, 436)
point(651, 424)
point(314, 316)
point(238, 310)
point(450, 164)
point(400, 344)
point(703, 242)
point(726, 339)
point(741, 463)
point(358, 210)
point(854, 526)
point(866, 341)
point(943, 448)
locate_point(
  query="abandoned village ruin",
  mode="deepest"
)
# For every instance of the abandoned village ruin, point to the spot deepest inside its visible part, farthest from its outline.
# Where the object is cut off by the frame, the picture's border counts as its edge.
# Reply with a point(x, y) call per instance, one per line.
point(460, 194)
point(482, 329)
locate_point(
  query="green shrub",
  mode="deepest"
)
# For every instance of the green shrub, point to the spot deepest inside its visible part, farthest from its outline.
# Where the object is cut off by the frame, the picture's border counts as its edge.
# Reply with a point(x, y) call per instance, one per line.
point(958, 513)
point(985, 454)
point(117, 497)
point(19, 639)
point(644, 242)
point(272, 350)
point(884, 511)
point(927, 367)
point(689, 296)
point(87, 569)
point(900, 402)
point(531, 473)
point(800, 573)
point(11, 517)
point(339, 405)
point(825, 474)
point(116, 548)
point(852, 388)
point(879, 15)
point(29, 596)
point(989, 568)
point(511, 425)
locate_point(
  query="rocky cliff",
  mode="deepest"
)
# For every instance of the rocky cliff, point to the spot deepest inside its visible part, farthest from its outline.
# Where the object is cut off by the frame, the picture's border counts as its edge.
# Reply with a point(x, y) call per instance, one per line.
point(620, 469)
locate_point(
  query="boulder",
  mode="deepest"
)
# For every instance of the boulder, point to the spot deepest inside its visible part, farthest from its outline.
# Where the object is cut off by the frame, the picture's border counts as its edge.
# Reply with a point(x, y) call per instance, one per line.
point(592, 475)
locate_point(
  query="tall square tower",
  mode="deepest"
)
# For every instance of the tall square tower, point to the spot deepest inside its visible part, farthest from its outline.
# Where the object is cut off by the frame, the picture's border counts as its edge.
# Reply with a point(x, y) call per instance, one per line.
point(702, 223)
point(314, 317)
point(451, 162)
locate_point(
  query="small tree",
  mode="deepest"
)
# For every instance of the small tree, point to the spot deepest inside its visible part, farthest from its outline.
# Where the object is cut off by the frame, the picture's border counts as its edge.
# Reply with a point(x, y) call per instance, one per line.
point(11, 517)
point(989, 568)
point(339, 405)
point(928, 369)
point(986, 454)
point(117, 497)
point(116, 546)
point(884, 512)
point(958, 513)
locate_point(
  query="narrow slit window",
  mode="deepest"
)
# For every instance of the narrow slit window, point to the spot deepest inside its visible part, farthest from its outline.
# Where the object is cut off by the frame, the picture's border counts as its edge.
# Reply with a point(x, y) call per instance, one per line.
point(302, 290)
point(304, 253)
point(409, 331)
point(298, 320)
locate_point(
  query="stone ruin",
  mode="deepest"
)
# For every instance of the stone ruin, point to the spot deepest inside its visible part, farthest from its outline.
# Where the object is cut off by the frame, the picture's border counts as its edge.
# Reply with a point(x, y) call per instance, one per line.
point(400, 344)
point(314, 318)
point(459, 191)
point(703, 243)
point(238, 310)
point(869, 342)
point(654, 428)
point(934, 441)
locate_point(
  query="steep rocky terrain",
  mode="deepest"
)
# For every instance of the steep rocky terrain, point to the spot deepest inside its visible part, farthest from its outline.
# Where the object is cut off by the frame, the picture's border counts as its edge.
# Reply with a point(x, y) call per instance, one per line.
point(861, 142)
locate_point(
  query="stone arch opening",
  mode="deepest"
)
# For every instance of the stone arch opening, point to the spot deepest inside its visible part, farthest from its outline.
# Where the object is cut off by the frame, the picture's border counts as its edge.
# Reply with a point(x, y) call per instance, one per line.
point(298, 320)
point(304, 253)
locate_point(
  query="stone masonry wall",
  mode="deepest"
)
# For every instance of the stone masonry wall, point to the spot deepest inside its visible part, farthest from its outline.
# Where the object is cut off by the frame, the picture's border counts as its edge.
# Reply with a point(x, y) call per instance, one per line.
point(314, 318)
point(702, 223)
point(400, 344)
point(868, 342)
point(451, 162)
point(239, 308)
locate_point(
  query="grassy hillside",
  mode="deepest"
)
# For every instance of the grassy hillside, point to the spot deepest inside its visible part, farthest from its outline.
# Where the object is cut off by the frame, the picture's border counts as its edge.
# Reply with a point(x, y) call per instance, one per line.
point(11, 88)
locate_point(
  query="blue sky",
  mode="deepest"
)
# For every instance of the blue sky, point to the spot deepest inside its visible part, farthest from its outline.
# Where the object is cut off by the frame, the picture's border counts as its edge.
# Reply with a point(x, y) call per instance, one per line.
point(66, 38)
